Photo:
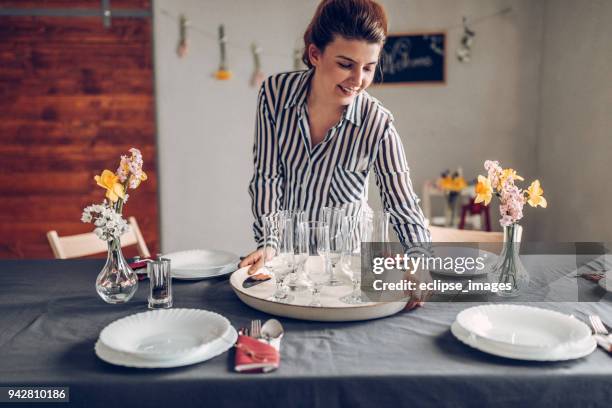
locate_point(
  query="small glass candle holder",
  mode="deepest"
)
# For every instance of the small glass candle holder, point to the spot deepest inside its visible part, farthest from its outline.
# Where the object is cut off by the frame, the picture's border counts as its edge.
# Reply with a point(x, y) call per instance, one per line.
point(160, 280)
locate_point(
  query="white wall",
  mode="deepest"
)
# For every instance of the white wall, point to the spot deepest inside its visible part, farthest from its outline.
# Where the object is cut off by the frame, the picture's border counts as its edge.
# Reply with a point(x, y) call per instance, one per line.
point(575, 143)
point(489, 108)
point(205, 126)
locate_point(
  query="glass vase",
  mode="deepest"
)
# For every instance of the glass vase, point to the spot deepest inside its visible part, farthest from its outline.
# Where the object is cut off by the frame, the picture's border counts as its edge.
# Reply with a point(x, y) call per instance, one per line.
point(116, 282)
point(509, 269)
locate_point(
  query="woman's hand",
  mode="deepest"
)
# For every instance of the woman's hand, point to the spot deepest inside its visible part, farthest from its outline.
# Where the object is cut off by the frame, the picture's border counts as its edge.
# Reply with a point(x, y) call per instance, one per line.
point(256, 260)
point(418, 296)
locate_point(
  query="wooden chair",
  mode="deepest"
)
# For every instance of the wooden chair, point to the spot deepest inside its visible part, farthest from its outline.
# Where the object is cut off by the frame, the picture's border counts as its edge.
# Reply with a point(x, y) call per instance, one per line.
point(75, 246)
point(440, 234)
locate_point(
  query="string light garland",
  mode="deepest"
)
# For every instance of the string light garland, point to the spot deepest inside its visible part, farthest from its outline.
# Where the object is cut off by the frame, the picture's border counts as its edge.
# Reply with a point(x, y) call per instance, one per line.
point(463, 53)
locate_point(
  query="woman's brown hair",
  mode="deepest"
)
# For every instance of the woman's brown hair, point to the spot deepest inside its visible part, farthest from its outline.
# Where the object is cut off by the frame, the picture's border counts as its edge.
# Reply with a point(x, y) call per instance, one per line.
point(351, 19)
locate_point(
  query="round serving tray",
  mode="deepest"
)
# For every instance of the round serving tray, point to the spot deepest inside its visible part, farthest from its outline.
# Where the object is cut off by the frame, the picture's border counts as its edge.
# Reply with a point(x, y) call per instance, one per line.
point(333, 309)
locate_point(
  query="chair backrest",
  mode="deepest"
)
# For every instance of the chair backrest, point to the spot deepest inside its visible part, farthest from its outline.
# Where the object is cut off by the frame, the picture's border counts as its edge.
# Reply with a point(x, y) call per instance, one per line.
point(75, 246)
point(441, 234)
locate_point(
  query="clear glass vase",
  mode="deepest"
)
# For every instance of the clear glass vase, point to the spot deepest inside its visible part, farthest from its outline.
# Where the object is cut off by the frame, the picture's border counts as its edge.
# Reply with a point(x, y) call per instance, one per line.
point(509, 268)
point(116, 282)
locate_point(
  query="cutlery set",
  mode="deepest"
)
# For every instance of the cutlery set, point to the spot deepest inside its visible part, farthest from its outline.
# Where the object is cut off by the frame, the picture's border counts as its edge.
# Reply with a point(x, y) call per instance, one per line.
point(258, 347)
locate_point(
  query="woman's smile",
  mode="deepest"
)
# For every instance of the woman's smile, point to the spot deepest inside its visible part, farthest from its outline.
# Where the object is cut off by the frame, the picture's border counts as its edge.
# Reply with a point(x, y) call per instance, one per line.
point(349, 91)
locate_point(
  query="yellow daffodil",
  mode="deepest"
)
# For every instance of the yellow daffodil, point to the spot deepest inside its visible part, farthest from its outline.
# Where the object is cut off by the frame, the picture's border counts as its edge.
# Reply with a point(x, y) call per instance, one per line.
point(508, 174)
point(110, 181)
point(535, 195)
point(459, 184)
point(484, 191)
point(444, 183)
point(454, 184)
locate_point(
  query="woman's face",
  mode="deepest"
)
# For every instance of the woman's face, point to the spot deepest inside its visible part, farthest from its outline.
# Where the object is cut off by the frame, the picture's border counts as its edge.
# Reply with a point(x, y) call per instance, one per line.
point(344, 68)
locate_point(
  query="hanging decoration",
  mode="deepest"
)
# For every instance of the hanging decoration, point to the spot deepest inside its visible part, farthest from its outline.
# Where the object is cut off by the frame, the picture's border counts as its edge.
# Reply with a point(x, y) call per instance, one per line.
point(258, 76)
point(298, 64)
point(464, 52)
point(223, 73)
point(181, 49)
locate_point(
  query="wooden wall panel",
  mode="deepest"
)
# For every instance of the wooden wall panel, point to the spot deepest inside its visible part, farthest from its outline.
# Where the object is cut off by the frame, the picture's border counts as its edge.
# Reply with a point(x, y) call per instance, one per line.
point(74, 96)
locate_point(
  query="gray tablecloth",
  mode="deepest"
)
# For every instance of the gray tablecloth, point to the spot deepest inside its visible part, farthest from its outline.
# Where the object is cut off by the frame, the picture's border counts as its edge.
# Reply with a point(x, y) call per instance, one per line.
point(50, 317)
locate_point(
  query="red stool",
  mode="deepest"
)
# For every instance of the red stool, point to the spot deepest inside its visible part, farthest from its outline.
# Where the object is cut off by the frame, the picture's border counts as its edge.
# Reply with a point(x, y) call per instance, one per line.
point(475, 209)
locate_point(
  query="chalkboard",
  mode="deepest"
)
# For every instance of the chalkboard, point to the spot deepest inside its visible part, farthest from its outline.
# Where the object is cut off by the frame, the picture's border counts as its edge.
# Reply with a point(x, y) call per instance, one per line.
point(413, 58)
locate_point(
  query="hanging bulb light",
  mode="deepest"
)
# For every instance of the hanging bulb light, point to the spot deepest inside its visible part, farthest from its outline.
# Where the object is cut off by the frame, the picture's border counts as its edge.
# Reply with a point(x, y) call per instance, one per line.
point(298, 64)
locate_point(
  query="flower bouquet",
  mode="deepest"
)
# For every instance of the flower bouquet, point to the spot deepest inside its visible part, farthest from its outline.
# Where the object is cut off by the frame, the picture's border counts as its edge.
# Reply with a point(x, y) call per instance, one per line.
point(451, 185)
point(501, 184)
point(117, 282)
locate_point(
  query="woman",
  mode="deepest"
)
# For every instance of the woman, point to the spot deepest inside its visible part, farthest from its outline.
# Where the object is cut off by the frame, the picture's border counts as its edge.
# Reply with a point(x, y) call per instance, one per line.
point(318, 133)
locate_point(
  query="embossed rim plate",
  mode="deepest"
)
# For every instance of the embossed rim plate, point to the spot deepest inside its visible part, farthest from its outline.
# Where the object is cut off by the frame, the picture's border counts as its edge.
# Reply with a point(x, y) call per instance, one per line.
point(162, 335)
point(524, 327)
point(217, 347)
point(555, 354)
point(196, 264)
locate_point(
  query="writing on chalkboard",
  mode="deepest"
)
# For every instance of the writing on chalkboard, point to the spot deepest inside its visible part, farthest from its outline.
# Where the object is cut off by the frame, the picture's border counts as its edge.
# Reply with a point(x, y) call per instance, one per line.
point(413, 58)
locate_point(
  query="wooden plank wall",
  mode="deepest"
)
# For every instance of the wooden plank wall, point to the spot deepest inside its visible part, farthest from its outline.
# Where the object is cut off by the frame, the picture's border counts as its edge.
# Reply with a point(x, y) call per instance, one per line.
point(74, 96)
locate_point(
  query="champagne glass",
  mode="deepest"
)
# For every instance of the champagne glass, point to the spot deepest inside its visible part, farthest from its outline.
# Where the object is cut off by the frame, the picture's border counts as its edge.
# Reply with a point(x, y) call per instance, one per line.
point(315, 239)
point(357, 229)
point(333, 217)
point(278, 252)
point(380, 225)
point(296, 280)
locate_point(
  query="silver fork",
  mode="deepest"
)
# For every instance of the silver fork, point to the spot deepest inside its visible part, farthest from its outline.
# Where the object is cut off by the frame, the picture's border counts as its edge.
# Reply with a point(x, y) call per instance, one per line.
point(256, 328)
point(600, 333)
point(597, 325)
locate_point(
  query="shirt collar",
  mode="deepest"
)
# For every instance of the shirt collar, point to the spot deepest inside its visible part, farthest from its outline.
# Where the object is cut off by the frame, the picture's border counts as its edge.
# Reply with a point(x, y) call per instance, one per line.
point(352, 113)
point(298, 97)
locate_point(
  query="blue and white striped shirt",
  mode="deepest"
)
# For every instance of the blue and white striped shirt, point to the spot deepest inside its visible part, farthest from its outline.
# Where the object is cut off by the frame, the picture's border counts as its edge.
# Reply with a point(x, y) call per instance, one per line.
point(289, 174)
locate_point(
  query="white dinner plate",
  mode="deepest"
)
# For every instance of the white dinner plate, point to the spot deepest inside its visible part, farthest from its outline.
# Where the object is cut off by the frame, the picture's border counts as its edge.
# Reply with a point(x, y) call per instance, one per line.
point(163, 335)
point(523, 332)
point(217, 347)
point(523, 326)
point(578, 350)
point(488, 260)
point(199, 264)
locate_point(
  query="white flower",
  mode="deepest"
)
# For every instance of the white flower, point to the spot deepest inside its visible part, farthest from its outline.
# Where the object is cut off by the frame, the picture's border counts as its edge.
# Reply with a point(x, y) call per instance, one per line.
point(86, 217)
point(99, 233)
point(109, 224)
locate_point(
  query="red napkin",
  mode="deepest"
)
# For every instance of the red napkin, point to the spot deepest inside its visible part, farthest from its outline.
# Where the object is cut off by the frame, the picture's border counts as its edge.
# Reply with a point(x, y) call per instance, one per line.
point(594, 276)
point(141, 263)
point(140, 267)
point(255, 356)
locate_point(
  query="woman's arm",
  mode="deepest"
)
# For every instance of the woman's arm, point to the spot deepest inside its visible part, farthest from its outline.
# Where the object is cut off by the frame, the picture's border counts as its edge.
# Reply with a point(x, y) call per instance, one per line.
point(266, 187)
point(393, 180)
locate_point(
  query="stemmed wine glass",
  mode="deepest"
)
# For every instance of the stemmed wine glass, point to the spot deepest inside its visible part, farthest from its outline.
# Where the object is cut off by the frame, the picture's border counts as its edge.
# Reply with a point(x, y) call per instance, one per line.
point(278, 251)
point(314, 246)
point(333, 218)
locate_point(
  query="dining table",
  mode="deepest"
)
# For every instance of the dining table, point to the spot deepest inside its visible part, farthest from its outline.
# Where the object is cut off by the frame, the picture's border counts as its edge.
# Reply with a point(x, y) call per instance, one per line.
point(51, 317)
